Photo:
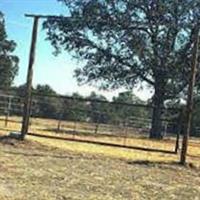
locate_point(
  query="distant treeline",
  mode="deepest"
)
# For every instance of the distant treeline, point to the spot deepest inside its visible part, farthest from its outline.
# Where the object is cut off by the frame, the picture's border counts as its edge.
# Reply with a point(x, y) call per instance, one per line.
point(97, 110)
point(124, 109)
point(46, 103)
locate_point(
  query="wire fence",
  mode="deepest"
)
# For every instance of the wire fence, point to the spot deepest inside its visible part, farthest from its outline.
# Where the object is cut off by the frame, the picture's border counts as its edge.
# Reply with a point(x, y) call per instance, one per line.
point(87, 119)
point(100, 117)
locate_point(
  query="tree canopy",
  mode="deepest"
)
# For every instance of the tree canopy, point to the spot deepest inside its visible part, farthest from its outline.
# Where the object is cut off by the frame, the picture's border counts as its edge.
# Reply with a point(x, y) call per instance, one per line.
point(8, 61)
point(127, 42)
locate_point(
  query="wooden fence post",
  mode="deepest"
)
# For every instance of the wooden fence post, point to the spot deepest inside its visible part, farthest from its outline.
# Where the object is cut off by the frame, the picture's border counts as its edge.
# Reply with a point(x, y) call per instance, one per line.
point(59, 122)
point(179, 129)
point(8, 111)
point(27, 102)
point(97, 124)
point(125, 132)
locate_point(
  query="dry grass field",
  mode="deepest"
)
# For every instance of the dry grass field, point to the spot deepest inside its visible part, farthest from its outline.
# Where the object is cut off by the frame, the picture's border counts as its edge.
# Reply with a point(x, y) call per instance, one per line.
point(86, 132)
point(47, 169)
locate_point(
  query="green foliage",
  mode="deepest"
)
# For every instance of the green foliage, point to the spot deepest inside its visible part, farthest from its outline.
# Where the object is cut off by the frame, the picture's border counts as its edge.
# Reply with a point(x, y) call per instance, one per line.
point(8, 61)
point(73, 109)
point(195, 129)
point(44, 90)
point(126, 112)
point(95, 108)
point(98, 111)
point(126, 42)
point(45, 106)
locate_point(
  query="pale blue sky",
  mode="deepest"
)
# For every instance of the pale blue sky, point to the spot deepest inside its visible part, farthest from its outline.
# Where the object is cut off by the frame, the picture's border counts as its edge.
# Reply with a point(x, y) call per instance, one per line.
point(48, 69)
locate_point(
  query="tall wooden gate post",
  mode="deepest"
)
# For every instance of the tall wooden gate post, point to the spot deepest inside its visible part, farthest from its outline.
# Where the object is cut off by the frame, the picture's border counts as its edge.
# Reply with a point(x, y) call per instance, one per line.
point(189, 107)
point(179, 130)
point(8, 110)
point(27, 102)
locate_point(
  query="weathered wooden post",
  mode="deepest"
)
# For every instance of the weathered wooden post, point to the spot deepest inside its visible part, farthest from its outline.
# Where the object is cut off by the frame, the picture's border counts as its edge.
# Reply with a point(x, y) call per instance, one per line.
point(97, 123)
point(125, 132)
point(8, 111)
point(59, 122)
point(179, 129)
point(189, 107)
point(27, 102)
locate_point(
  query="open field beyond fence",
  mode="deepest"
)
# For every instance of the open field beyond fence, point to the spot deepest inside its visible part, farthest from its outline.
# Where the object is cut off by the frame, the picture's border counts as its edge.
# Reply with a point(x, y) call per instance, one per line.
point(82, 131)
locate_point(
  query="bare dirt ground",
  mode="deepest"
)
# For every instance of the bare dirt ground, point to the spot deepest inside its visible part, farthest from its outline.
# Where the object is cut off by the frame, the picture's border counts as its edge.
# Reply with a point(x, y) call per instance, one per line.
point(39, 170)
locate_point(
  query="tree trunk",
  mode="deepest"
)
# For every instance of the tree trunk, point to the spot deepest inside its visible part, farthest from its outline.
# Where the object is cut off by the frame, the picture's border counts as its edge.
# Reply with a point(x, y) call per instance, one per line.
point(156, 124)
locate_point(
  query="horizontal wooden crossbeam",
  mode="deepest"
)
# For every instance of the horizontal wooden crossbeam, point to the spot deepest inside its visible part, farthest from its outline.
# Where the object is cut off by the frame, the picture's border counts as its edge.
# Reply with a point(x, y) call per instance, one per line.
point(44, 16)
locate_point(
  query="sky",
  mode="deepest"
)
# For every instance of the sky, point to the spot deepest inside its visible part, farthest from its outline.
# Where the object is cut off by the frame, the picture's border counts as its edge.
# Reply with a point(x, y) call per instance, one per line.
point(55, 71)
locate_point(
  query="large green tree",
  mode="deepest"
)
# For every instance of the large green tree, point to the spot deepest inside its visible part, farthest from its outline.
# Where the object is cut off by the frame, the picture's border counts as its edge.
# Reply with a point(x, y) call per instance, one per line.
point(8, 61)
point(126, 42)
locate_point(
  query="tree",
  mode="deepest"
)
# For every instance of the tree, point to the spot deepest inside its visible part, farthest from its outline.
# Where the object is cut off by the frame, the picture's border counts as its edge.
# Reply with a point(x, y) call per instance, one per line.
point(128, 97)
point(20, 90)
point(196, 117)
point(126, 112)
point(74, 109)
point(98, 110)
point(127, 42)
point(45, 106)
point(8, 61)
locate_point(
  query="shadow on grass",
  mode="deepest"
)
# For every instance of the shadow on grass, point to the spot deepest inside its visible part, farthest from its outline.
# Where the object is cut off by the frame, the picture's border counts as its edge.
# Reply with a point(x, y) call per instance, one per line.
point(37, 155)
point(7, 140)
point(153, 163)
point(163, 164)
point(102, 143)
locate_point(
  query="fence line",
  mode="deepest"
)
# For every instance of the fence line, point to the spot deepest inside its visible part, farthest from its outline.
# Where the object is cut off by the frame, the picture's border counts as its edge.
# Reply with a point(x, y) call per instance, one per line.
point(83, 120)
